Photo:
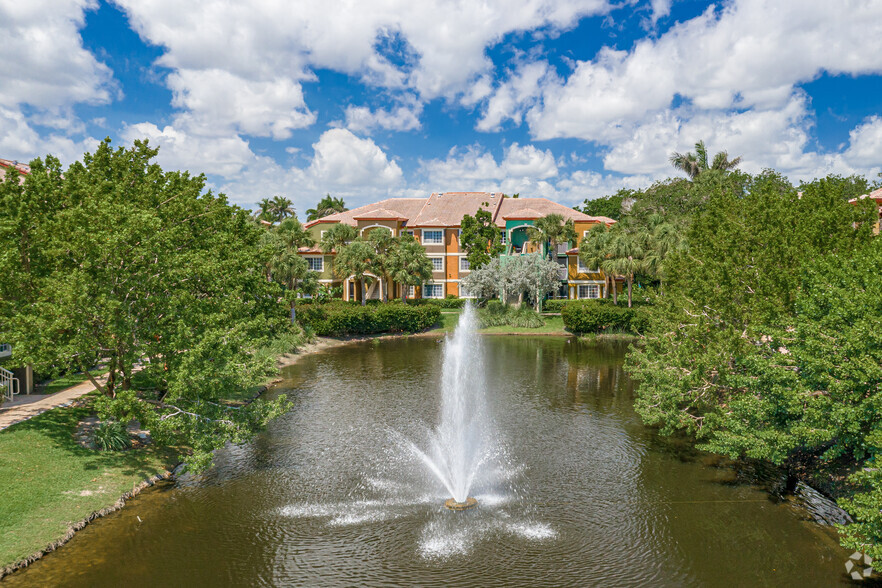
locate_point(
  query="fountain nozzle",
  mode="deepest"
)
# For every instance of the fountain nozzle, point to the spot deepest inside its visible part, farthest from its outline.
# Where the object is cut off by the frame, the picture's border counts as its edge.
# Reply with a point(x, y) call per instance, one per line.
point(452, 504)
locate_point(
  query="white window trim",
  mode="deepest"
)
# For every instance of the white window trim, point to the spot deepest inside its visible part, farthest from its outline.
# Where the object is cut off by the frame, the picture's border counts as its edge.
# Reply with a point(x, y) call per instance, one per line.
point(504, 236)
point(464, 294)
point(443, 264)
point(314, 258)
point(466, 259)
point(423, 237)
point(597, 288)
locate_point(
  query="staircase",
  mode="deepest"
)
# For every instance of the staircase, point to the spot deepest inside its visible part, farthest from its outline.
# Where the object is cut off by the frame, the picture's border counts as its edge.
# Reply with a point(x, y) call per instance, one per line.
point(8, 384)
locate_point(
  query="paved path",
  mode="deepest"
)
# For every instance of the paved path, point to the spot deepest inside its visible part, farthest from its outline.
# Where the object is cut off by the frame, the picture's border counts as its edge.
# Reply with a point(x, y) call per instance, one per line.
point(23, 407)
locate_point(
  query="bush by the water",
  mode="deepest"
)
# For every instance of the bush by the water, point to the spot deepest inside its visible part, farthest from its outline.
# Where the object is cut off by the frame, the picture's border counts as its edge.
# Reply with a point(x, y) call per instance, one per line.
point(597, 316)
point(497, 314)
point(110, 436)
point(341, 318)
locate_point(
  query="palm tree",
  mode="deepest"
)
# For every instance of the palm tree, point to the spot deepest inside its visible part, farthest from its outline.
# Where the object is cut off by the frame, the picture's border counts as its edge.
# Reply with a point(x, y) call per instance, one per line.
point(285, 266)
point(408, 263)
point(596, 251)
point(292, 233)
point(553, 230)
point(695, 163)
point(626, 257)
point(281, 208)
point(382, 241)
point(264, 213)
point(326, 206)
point(662, 239)
point(337, 236)
point(355, 260)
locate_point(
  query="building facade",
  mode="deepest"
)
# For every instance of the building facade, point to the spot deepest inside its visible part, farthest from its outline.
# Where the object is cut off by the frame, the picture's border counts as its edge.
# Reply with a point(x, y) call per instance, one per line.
point(435, 223)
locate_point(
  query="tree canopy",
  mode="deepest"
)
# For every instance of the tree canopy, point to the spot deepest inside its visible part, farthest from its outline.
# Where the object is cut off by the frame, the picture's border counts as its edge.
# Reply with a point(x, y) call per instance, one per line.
point(480, 238)
point(116, 261)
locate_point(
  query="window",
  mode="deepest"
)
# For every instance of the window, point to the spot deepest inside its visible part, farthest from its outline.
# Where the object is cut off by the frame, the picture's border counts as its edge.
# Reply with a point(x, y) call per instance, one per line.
point(410, 232)
point(464, 293)
point(583, 269)
point(437, 264)
point(316, 264)
point(323, 234)
point(589, 291)
point(433, 237)
point(433, 291)
point(463, 264)
point(502, 235)
point(410, 291)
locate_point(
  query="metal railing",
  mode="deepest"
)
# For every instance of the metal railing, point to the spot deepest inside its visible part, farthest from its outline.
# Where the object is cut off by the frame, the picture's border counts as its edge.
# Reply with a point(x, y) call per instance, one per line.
point(8, 384)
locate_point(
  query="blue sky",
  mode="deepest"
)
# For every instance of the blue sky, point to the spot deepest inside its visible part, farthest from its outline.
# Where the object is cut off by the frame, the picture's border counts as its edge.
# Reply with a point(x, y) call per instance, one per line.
point(568, 99)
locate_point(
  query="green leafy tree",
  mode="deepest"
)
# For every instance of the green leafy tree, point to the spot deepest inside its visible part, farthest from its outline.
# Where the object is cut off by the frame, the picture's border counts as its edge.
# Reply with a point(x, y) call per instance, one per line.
point(408, 263)
point(608, 206)
point(480, 238)
point(552, 231)
point(124, 263)
point(694, 163)
point(325, 207)
point(356, 260)
point(337, 236)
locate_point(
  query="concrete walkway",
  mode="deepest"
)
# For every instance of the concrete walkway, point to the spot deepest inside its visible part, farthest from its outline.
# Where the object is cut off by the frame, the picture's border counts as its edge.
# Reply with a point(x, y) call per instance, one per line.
point(29, 406)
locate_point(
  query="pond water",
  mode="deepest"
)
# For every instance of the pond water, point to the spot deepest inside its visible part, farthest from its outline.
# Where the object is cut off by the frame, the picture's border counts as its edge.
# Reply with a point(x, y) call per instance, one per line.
point(588, 496)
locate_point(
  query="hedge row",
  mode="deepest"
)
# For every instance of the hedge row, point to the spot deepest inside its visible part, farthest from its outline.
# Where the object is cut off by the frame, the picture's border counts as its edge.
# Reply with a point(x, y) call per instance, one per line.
point(340, 318)
point(596, 317)
point(439, 302)
point(557, 305)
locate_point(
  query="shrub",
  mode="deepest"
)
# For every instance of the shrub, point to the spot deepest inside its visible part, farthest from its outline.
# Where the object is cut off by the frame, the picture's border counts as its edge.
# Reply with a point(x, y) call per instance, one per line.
point(496, 314)
point(445, 303)
point(110, 436)
point(594, 316)
point(340, 318)
point(554, 305)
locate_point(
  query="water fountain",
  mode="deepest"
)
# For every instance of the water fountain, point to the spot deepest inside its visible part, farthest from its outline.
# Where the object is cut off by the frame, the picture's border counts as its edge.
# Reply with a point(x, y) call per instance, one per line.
point(462, 441)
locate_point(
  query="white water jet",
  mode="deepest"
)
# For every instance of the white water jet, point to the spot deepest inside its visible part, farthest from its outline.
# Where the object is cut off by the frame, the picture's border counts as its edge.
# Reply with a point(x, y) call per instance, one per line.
point(460, 444)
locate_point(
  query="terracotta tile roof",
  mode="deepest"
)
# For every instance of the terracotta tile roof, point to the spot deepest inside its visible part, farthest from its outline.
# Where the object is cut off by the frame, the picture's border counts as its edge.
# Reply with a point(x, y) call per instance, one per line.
point(447, 209)
point(533, 208)
point(875, 195)
point(23, 168)
point(403, 207)
point(380, 214)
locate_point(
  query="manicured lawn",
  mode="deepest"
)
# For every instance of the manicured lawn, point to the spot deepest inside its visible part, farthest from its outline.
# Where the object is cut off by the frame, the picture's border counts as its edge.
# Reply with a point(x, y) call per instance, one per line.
point(47, 481)
point(553, 326)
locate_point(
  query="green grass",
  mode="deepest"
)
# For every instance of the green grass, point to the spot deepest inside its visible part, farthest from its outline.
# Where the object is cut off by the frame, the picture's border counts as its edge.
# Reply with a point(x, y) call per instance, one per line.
point(553, 326)
point(47, 481)
point(67, 380)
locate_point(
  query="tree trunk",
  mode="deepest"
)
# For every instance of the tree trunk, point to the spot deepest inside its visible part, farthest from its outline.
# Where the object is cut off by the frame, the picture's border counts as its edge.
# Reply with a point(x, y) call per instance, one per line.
point(403, 292)
point(630, 281)
point(363, 292)
point(383, 291)
point(615, 291)
point(293, 312)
